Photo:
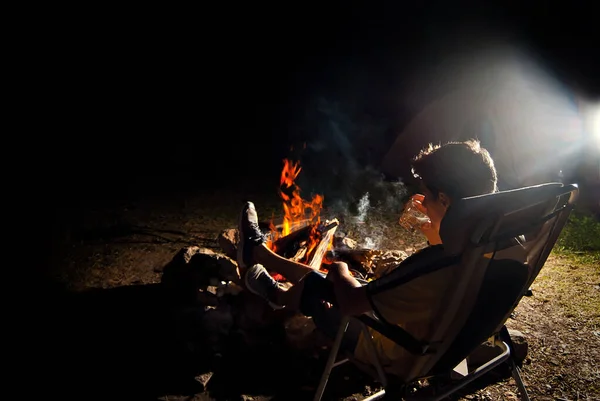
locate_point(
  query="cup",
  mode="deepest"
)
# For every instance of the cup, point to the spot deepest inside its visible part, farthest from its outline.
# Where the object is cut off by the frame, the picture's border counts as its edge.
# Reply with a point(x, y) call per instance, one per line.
point(412, 218)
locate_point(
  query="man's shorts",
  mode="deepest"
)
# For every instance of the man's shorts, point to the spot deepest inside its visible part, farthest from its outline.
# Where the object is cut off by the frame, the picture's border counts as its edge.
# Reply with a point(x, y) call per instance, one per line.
point(317, 291)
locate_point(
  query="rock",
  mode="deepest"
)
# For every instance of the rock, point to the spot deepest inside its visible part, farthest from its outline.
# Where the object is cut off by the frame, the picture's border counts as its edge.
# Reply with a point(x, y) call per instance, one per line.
point(229, 288)
point(253, 318)
point(357, 259)
point(215, 325)
point(299, 330)
point(228, 240)
point(521, 348)
point(218, 320)
point(204, 378)
point(370, 261)
point(207, 298)
point(192, 268)
point(253, 311)
point(187, 327)
point(344, 243)
point(486, 351)
point(383, 262)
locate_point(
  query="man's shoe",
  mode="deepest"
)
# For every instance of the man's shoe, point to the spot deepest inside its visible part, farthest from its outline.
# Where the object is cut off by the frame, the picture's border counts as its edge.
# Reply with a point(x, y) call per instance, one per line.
point(259, 282)
point(250, 235)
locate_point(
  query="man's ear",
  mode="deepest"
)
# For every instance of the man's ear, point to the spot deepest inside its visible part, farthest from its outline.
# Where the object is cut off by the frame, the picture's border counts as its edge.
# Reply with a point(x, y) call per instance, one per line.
point(444, 200)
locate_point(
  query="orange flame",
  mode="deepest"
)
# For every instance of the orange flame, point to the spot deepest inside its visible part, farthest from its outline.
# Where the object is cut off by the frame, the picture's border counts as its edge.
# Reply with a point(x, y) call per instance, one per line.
point(298, 212)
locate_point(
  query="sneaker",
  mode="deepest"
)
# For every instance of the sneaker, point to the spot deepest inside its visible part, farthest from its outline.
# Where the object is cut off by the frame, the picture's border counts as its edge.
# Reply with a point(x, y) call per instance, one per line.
point(250, 235)
point(259, 282)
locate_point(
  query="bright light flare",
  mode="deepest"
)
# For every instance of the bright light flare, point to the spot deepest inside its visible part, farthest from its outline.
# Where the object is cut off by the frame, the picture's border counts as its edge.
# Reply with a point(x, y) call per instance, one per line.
point(595, 124)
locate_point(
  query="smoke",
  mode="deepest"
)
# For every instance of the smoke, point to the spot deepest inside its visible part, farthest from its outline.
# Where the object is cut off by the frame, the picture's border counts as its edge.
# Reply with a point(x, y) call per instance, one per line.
point(339, 147)
point(367, 240)
point(371, 217)
point(363, 208)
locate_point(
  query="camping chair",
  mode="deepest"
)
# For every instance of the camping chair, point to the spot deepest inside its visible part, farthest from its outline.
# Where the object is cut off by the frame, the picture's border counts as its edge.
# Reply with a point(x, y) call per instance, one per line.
point(498, 244)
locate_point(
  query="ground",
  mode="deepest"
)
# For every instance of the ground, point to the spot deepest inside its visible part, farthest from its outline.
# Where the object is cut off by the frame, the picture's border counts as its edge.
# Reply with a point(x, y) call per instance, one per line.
point(108, 336)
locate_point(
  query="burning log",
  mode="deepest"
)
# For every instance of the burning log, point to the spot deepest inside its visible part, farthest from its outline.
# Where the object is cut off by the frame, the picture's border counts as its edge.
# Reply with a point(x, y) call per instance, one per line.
point(284, 246)
point(300, 254)
point(308, 244)
point(327, 233)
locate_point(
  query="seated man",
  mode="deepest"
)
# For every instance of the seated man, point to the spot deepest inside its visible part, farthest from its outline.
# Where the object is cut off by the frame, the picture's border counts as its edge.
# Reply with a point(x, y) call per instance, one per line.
point(452, 171)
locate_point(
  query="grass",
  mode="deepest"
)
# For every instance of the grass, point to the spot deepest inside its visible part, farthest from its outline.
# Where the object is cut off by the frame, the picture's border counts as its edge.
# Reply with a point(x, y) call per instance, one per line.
point(574, 285)
point(580, 238)
point(562, 318)
point(574, 280)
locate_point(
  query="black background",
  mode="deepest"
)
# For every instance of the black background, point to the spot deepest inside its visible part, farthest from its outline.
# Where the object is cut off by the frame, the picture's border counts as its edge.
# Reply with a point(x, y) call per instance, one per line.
point(124, 95)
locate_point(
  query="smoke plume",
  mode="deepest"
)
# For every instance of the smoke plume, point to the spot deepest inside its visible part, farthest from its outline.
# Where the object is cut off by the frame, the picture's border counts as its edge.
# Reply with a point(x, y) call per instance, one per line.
point(339, 158)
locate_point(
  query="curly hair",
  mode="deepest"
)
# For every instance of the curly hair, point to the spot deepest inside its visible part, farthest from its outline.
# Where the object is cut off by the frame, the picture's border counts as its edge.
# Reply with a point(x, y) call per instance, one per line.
point(458, 169)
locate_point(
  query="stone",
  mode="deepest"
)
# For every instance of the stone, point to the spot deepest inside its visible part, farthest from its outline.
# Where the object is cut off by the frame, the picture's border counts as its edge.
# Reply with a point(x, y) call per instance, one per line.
point(204, 378)
point(194, 268)
point(383, 262)
point(299, 330)
point(215, 325)
point(207, 298)
point(344, 243)
point(370, 262)
point(253, 318)
point(228, 240)
point(486, 351)
point(521, 348)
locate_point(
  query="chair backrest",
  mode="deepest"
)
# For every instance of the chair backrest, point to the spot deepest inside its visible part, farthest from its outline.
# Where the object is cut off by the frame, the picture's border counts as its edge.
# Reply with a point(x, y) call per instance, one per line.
point(504, 240)
point(502, 284)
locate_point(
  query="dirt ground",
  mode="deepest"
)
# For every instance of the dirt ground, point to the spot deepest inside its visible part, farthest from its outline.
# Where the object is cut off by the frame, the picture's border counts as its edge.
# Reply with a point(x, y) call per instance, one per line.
point(108, 334)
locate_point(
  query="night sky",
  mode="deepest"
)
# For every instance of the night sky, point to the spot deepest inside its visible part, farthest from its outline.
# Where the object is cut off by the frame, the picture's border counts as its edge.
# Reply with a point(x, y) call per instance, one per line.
point(221, 95)
point(163, 90)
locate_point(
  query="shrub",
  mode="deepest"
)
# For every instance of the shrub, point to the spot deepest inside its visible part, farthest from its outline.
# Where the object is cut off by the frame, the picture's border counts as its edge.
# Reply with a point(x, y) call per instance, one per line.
point(580, 236)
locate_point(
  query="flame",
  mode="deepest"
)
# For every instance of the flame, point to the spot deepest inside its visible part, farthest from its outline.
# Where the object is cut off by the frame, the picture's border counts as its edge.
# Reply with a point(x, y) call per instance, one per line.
point(298, 212)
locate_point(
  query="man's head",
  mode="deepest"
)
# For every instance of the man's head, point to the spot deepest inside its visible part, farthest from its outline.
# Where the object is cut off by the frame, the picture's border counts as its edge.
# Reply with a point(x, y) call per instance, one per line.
point(452, 171)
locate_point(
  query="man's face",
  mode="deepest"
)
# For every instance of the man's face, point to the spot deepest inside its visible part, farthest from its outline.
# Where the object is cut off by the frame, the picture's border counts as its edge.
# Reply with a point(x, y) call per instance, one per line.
point(436, 206)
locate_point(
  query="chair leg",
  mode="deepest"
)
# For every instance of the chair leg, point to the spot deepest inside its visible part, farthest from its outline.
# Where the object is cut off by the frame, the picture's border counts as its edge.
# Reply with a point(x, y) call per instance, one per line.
point(480, 371)
point(331, 358)
point(515, 371)
point(377, 396)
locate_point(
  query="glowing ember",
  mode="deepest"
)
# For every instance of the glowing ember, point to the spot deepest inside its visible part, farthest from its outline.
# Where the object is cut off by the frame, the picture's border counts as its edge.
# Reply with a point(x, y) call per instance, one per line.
point(298, 212)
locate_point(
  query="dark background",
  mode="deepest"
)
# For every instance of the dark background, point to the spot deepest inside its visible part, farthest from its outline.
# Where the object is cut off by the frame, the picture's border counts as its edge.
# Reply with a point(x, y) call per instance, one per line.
point(220, 93)
point(130, 102)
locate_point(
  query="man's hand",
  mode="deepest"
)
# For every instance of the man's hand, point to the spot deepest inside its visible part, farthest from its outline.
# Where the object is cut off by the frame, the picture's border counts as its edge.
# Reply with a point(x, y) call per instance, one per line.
point(336, 270)
point(432, 235)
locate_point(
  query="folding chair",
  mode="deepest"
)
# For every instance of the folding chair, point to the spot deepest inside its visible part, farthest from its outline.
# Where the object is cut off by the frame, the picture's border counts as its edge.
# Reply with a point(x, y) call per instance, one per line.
point(498, 243)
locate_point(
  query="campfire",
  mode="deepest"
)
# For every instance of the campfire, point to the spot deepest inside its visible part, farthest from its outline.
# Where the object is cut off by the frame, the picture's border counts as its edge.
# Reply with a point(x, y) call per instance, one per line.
point(302, 236)
point(204, 285)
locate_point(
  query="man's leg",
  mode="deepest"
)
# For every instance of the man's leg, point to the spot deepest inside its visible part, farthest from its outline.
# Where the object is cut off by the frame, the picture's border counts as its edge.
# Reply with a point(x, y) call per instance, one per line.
point(318, 301)
point(252, 249)
point(313, 296)
point(258, 281)
point(292, 271)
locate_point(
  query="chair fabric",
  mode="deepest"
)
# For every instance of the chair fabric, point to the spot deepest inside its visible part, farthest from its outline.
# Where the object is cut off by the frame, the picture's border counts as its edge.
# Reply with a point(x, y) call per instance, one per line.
point(488, 228)
point(502, 284)
point(500, 242)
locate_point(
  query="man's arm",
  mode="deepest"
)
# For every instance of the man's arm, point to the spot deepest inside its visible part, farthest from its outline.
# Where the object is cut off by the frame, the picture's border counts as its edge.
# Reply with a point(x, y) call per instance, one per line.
point(351, 296)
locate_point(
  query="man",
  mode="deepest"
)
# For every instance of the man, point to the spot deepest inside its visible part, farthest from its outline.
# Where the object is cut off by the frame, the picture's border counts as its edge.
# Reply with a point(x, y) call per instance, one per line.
point(446, 173)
